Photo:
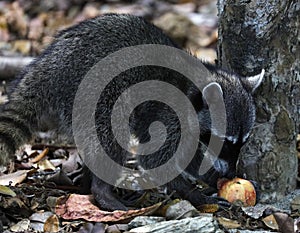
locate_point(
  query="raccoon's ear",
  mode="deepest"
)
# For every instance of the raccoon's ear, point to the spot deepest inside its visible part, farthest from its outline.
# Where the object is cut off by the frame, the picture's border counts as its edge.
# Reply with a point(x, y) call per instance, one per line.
point(253, 82)
point(212, 92)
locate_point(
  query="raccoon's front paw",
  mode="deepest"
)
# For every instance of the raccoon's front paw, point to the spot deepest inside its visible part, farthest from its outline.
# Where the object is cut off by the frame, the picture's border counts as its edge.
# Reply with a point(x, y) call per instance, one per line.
point(6, 152)
point(108, 202)
point(104, 195)
point(197, 199)
point(221, 202)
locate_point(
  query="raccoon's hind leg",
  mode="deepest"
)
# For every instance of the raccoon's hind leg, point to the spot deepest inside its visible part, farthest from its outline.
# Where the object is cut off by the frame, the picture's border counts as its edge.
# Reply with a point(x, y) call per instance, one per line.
point(15, 130)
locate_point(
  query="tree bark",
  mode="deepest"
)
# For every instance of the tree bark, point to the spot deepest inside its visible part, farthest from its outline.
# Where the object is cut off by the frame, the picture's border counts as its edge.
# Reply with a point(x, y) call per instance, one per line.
point(254, 35)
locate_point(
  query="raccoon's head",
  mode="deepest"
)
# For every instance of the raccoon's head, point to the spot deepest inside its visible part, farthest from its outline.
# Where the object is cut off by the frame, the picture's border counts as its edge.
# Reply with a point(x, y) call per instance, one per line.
point(236, 94)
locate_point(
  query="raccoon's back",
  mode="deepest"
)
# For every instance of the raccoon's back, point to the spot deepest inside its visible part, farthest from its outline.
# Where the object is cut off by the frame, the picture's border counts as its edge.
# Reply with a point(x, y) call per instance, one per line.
point(51, 81)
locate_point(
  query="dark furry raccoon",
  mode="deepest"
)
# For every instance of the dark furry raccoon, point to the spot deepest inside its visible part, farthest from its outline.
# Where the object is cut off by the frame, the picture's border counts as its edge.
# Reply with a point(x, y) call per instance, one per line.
point(44, 93)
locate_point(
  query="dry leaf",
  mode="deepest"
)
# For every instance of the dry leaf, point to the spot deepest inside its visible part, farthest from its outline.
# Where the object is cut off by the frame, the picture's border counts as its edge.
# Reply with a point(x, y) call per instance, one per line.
point(36, 27)
point(295, 203)
point(21, 226)
point(46, 165)
point(270, 222)
point(72, 163)
point(285, 223)
point(228, 223)
point(52, 224)
point(208, 208)
point(38, 220)
point(80, 206)
point(22, 46)
point(40, 156)
point(163, 209)
point(14, 178)
point(12, 201)
point(16, 19)
point(4, 33)
point(60, 178)
point(7, 191)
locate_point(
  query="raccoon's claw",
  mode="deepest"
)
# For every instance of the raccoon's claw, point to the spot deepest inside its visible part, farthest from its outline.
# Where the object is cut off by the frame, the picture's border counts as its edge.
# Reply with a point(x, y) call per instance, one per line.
point(222, 202)
point(197, 199)
point(217, 200)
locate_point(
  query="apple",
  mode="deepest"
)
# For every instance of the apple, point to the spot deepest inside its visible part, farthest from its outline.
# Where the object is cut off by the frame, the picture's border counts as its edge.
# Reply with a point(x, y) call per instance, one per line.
point(237, 190)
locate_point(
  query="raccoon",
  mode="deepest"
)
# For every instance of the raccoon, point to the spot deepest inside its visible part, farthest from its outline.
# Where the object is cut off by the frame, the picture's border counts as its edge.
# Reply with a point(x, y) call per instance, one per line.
point(43, 94)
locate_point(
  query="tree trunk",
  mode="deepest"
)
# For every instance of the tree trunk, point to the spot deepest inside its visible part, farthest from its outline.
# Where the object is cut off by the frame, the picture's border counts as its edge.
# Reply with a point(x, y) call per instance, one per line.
point(265, 34)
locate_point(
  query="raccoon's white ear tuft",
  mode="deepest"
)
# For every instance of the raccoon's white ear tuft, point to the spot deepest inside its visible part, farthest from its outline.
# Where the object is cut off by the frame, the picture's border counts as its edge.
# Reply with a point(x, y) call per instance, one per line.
point(253, 82)
point(212, 92)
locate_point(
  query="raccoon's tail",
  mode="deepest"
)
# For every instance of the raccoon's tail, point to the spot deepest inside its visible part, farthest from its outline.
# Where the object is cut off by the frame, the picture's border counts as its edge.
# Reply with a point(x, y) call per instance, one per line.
point(15, 130)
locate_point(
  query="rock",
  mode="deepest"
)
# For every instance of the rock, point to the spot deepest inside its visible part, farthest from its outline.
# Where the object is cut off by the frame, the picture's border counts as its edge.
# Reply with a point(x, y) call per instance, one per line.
point(248, 231)
point(21, 226)
point(22, 46)
point(180, 210)
point(117, 228)
point(295, 203)
point(204, 224)
point(174, 25)
point(144, 220)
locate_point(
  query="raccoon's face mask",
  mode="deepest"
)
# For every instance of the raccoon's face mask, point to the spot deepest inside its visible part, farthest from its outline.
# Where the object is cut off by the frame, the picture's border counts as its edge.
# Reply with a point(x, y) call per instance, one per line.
point(228, 110)
point(234, 126)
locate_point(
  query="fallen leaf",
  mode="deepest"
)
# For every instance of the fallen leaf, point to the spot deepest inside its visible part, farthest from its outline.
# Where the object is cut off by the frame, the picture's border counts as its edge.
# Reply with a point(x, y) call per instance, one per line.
point(14, 178)
point(16, 19)
point(37, 220)
point(51, 224)
point(4, 33)
point(270, 222)
point(295, 203)
point(72, 163)
point(60, 178)
point(7, 191)
point(46, 165)
point(22, 46)
point(40, 156)
point(79, 206)
point(21, 226)
point(36, 26)
point(208, 208)
point(285, 223)
point(228, 223)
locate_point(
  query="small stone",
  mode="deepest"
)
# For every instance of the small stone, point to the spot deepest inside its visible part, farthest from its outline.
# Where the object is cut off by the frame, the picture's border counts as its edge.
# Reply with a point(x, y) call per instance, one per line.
point(22, 46)
point(21, 226)
point(144, 220)
point(204, 224)
point(180, 210)
point(174, 25)
point(295, 204)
